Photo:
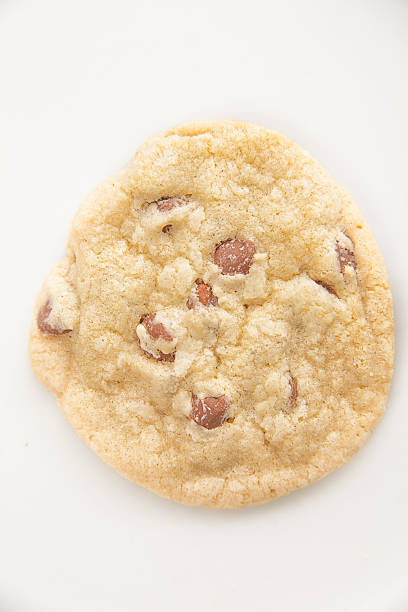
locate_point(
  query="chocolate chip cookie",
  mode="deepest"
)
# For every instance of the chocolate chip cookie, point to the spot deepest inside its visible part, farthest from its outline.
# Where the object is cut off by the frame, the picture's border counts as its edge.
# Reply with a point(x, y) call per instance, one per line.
point(220, 329)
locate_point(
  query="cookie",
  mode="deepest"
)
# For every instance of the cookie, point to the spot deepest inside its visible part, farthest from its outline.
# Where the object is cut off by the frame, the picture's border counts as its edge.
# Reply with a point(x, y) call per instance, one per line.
point(220, 330)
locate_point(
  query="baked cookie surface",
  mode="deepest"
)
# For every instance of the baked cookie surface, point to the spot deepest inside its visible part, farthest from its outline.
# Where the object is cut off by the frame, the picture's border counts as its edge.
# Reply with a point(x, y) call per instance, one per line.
point(220, 329)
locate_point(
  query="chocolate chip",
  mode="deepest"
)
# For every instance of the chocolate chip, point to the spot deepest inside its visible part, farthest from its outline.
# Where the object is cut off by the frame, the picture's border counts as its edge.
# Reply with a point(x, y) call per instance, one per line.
point(165, 356)
point(202, 293)
point(44, 324)
point(156, 331)
point(234, 256)
point(345, 257)
point(209, 412)
point(166, 229)
point(327, 287)
point(293, 391)
point(168, 203)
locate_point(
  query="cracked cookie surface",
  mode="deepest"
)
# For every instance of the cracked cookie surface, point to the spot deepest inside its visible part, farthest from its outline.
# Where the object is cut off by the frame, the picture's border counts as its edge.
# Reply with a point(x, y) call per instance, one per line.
point(220, 329)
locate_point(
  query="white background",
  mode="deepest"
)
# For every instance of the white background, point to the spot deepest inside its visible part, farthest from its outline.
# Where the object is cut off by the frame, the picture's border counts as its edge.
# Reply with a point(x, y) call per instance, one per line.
point(82, 84)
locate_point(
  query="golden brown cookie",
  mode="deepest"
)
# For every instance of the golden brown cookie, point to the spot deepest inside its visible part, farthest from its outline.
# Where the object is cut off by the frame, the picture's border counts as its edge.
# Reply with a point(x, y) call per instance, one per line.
point(220, 329)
